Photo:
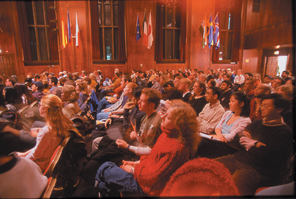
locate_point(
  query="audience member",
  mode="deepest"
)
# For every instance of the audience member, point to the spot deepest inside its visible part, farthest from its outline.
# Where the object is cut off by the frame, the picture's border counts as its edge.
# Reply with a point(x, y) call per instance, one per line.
point(226, 93)
point(152, 172)
point(259, 93)
point(267, 142)
point(212, 112)
point(49, 137)
point(19, 177)
point(198, 99)
point(183, 87)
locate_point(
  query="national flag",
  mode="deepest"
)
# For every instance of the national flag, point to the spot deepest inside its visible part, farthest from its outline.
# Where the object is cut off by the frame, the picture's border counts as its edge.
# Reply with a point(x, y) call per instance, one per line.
point(201, 30)
point(69, 27)
point(64, 36)
point(145, 31)
point(205, 32)
point(77, 31)
point(217, 33)
point(211, 32)
point(138, 29)
point(150, 35)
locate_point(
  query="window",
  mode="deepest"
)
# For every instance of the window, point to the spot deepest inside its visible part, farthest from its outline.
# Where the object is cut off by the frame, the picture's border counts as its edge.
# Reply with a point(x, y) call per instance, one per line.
point(229, 24)
point(226, 35)
point(170, 31)
point(108, 30)
point(39, 36)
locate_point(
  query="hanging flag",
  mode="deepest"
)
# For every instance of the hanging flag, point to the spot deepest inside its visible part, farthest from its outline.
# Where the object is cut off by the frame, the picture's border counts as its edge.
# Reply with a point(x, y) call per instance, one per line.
point(138, 29)
point(201, 30)
point(150, 35)
point(205, 32)
point(77, 31)
point(69, 27)
point(64, 36)
point(145, 31)
point(217, 34)
point(211, 32)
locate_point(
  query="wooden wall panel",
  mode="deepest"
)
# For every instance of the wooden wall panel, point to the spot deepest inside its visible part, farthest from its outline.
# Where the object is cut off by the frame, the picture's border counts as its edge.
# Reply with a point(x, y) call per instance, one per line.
point(251, 60)
point(198, 57)
point(7, 39)
point(272, 26)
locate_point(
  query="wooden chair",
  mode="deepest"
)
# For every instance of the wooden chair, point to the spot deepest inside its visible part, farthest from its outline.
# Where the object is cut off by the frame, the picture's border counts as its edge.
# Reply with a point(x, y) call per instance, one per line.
point(50, 187)
point(55, 159)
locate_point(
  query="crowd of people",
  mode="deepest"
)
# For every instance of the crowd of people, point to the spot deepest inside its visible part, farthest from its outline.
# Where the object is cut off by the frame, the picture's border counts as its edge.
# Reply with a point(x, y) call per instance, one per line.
point(156, 133)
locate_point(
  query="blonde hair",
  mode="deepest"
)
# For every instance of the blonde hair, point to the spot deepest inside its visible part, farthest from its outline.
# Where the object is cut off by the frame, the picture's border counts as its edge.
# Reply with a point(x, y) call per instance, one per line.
point(184, 118)
point(55, 118)
point(70, 94)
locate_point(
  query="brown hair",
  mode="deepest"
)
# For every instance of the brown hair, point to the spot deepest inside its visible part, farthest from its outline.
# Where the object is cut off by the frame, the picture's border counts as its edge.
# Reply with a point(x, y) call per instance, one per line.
point(70, 94)
point(154, 96)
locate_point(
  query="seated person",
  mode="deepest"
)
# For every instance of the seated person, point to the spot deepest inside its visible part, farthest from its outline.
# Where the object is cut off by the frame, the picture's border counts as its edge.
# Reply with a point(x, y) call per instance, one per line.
point(116, 81)
point(198, 99)
point(106, 102)
point(69, 98)
point(13, 101)
point(235, 120)
point(232, 123)
point(81, 88)
point(268, 146)
point(132, 117)
point(201, 177)
point(147, 135)
point(259, 93)
point(49, 137)
point(127, 93)
point(19, 177)
point(212, 113)
point(226, 93)
point(149, 176)
point(183, 87)
point(170, 92)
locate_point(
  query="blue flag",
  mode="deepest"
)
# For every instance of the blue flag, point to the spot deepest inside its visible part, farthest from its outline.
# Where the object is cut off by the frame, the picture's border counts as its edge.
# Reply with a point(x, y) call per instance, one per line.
point(138, 29)
point(211, 32)
point(216, 33)
point(69, 27)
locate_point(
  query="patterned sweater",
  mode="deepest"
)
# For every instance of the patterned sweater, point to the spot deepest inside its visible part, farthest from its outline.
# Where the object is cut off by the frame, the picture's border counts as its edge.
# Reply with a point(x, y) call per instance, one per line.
point(155, 169)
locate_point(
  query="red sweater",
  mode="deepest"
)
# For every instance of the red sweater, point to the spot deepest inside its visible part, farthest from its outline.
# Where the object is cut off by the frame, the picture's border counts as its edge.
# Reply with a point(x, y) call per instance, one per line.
point(155, 169)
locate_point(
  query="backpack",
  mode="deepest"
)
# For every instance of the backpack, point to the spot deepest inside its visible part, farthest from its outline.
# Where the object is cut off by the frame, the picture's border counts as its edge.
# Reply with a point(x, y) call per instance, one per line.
point(12, 118)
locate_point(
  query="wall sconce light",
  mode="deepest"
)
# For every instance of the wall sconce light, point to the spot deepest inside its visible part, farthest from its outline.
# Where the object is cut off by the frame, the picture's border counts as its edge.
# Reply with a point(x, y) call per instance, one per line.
point(247, 60)
point(276, 52)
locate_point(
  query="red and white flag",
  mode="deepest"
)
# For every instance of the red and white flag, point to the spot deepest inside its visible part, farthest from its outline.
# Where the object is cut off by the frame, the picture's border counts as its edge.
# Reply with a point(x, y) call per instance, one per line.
point(77, 31)
point(150, 35)
point(145, 31)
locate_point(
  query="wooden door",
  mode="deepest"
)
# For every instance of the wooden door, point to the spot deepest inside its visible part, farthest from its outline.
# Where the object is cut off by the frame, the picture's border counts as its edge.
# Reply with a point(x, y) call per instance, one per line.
point(272, 66)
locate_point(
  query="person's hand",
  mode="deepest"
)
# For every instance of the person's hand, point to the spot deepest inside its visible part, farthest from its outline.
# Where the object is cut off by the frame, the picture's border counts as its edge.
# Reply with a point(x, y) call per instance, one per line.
point(247, 134)
point(108, 121)
point(113, 100)
point(121, 143)
point(247, 142)
point(106, 110)
point(131, 163)
point(221, 138)
point(34, 132)
point(133, 135)
point(7, 128)
point(127, 168)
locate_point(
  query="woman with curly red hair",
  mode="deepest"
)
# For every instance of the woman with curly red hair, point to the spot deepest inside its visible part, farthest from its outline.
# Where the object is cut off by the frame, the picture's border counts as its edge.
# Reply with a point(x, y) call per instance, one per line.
point(149, 176)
